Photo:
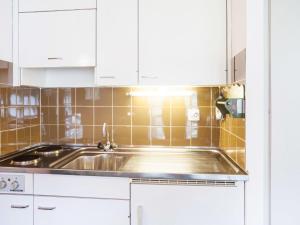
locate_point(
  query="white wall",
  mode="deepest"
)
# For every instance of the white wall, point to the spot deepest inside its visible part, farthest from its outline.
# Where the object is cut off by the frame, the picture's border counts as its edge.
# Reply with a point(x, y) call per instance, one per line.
point(238, 26)
point(257, 113)
point(285, 109)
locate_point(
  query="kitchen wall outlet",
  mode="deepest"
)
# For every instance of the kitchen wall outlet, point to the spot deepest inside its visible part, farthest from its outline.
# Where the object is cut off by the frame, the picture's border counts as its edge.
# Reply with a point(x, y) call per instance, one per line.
point(193, 115)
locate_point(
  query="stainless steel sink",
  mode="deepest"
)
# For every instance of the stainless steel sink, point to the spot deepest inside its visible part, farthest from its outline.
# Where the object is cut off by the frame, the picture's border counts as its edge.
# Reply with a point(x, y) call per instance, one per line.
point(169, 161)
point(89, 160)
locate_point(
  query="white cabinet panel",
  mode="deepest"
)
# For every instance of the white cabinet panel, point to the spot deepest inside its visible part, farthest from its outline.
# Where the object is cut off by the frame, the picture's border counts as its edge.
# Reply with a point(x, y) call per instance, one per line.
point(57, 39)
point(6, 30)
point(182, 42)
point(47, 5)
point(117, 42)
point(192, 205)
point(16, 210)
point(78, 211)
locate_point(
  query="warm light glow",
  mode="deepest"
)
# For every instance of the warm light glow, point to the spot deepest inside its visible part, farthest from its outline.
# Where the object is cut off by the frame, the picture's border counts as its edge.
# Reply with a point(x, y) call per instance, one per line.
point(161, 92)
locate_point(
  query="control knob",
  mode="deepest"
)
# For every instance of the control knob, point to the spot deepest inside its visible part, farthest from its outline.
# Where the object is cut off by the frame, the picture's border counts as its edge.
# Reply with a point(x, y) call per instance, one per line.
point(14, 185)
point(3, 184)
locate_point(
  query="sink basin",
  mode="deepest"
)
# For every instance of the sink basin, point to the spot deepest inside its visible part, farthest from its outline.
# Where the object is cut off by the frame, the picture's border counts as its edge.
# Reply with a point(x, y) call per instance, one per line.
point(143, 161)
point(86, 160)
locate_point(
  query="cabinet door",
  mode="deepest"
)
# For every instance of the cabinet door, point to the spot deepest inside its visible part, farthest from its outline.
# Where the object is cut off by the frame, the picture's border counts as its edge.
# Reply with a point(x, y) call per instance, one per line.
point(182, 42)
point(6, 26)
point(57, 39)
point(192, 205)
point(16, 210)
point(118, 42)
point(79, 211)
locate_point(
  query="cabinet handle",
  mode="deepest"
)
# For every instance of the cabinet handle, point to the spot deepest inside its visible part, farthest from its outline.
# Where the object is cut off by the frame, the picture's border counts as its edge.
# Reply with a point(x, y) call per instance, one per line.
point(139, 211)
point(55, 58)
point(149, 77)
point(46, 208)
point(107, 77)
point(19, 206)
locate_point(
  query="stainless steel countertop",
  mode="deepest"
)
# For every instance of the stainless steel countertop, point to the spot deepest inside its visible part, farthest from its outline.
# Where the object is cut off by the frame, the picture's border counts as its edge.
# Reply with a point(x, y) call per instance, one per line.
point(146, 163)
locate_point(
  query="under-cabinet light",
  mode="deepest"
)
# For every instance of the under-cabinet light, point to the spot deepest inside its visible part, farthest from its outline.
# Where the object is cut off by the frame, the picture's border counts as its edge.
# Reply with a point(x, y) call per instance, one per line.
point(161, 92)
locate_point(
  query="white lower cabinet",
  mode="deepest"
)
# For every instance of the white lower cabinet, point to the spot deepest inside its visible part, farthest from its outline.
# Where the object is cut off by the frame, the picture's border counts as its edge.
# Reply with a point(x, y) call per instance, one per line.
point(16, 210)
point(80, 211)
point(187, 205)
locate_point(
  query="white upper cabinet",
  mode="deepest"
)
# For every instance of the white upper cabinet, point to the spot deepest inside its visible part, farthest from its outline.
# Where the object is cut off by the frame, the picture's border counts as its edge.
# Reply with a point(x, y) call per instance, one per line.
point(182, 42)
point(117, 42)
point(47, 5)
point(57, 39)
point(6, 30)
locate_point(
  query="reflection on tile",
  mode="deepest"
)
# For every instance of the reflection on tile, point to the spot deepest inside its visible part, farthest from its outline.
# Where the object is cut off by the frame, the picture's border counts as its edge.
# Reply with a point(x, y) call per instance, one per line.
point(66, 97)
point(49, 133)
point(23, 137)
point(84, 134)
point(34, 97)
point(122, 135)
point(8, 142)
point(35, 135)
point(122, 116)
point(103, 96)
point(215, 136)
point(180, 117)
point(49, 97)
point(49, 115)
point(181, 136)
point(84, 96)
point(160, 116)
point(121, 97)
point(201, 136)
point(67, 134)
point(103, 115)
point(85, 115)
point(160, 136)
point(203, 96)
point(66, 115)
point(140, 135)
point(140, 116)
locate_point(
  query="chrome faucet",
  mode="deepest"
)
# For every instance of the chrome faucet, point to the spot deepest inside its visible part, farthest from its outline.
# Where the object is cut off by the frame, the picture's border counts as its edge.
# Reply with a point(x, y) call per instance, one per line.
point(108, 145)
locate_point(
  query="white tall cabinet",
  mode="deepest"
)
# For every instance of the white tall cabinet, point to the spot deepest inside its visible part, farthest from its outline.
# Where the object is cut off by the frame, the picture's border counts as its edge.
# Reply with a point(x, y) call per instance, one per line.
point(182, 42)
point(117, 29)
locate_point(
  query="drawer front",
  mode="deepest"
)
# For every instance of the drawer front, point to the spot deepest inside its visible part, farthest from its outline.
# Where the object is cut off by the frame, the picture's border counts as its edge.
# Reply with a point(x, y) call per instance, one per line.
point(81, 186)
point(49, 5)
point(79, 211)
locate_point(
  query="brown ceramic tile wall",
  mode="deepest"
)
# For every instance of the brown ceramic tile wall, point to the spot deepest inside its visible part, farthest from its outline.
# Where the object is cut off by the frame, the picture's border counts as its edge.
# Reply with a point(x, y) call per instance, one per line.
point(19, 118)
point(232, 139)
point(76, 115)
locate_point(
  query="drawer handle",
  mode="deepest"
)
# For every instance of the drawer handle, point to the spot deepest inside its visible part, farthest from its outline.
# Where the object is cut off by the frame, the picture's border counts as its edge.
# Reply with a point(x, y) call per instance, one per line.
point(19, 206)
point(107, 77)
point(149, 77)
point(55, 58)
point(46, 208)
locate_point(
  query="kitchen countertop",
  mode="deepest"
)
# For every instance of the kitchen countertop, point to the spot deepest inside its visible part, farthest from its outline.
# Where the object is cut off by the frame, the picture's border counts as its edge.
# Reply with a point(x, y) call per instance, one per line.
point(137, 162)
